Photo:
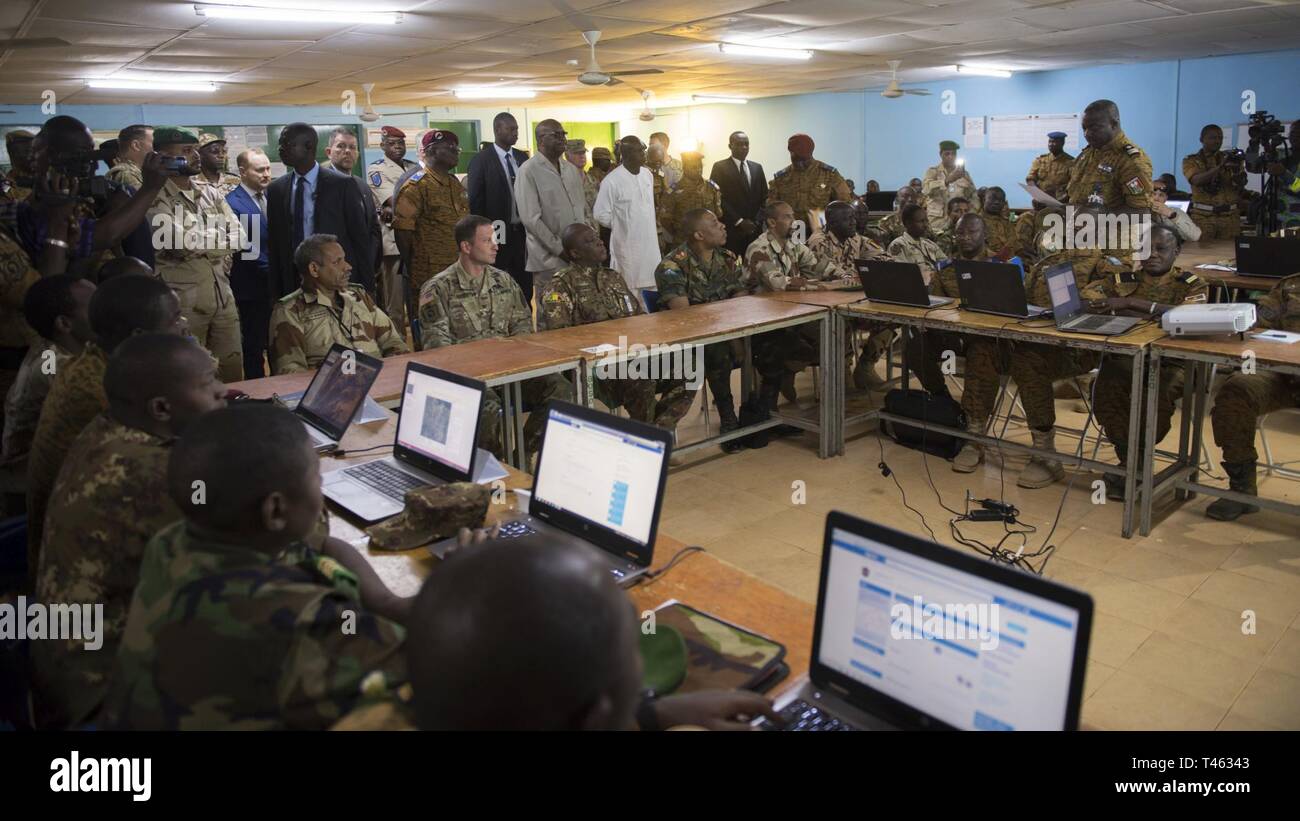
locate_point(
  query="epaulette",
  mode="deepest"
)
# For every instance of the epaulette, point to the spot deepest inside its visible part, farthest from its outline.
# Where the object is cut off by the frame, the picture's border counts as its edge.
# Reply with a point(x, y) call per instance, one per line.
point(1130, 148)
point(781, 173)
point(1126, 277)
point(829, 168)
point(1188, 277)
point(290, 297)
point(1115, 261)
point(416, 176)
point(379, 161)
point(712, 183)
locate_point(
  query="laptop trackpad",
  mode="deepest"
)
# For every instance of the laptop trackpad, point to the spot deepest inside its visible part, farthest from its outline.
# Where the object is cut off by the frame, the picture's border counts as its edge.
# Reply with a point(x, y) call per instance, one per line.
point(361, 500)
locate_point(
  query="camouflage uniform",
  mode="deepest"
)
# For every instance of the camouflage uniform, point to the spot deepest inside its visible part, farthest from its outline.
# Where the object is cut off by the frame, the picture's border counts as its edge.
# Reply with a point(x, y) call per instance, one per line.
point(228, 182)
point(16, 275)
point(303, 328)
point(23, 404)
point(843, 256)
point(1027, 227)
point(1244, 398)
point(76, 397)
point(924, 252)
point(889, 229)
point(1000, 234)
point(815, 187)
point(226, 637)
point(771, 264)
point(661, 196)
point(938, 185)
point(580, 295)
point(430, 203)
point(1214, 204)
point(690, 193)
point(1115, 176)
point(1114, 381)
point(110, 499)
point(590, 188)
point(197, 270)
point(11, 190)
point(1050, 172)
point(127, 173)
point(456, 308)
point(681, 273)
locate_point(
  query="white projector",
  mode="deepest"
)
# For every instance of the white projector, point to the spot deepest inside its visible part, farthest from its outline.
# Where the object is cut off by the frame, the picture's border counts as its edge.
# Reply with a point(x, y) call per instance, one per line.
point(1205, 320)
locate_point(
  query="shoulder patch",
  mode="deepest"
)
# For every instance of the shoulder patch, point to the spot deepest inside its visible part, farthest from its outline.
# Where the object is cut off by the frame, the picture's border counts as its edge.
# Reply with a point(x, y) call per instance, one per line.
point(1189, 277)
point(416, 177)
point(376, 178)
point(781, 173)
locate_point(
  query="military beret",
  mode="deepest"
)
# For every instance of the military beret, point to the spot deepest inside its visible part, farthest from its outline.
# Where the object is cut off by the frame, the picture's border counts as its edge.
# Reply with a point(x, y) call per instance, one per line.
point(392, 131)
point(171, 135)
point(439, 136)
point(598, 152)
point(1056, 135)
point(575, 145)
point(208, 139)
point(19, 135)
point(800, 144)
point(948, 145)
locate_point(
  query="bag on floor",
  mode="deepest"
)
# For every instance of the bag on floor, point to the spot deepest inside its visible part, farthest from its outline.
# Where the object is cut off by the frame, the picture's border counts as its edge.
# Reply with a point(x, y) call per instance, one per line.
point(922, 406)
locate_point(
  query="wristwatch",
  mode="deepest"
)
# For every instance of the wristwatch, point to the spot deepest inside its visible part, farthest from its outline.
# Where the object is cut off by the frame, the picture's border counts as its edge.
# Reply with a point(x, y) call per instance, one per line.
point(57, 243)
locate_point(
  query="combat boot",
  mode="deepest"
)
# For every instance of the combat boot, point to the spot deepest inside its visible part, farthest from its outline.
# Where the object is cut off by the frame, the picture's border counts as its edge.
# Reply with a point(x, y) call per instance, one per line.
point(971, 454)
point(727, 422)
point(1041, 471)
point(1241, 478)
point(1114, 481)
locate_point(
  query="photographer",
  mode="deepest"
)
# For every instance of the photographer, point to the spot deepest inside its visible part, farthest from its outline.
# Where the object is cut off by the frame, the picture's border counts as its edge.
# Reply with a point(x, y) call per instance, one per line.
point(1287, 182)
point(1217, 179)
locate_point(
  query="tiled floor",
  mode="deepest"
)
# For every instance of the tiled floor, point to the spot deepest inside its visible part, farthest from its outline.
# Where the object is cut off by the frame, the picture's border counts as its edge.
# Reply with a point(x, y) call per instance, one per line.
point(1172, 646)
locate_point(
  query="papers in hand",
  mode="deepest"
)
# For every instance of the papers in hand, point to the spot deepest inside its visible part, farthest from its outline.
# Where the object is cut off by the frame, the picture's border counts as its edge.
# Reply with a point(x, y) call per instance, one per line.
point(1039, 195)
point(1285, 337)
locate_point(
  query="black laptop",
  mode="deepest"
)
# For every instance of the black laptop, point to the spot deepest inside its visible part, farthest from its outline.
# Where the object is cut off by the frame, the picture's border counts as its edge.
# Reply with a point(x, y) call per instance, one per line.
point(994, 288)
point(912, 635)
point(336, 392)
point(880, 202)
point(896, 283)
point(1268, 256)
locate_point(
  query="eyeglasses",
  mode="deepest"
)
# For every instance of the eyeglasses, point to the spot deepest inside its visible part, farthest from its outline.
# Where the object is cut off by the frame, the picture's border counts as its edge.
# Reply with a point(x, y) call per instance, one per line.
point(1160, 190)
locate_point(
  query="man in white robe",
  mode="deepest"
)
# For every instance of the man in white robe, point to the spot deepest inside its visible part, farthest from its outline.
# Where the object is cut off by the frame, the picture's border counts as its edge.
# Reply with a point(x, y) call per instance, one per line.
point(625, 205)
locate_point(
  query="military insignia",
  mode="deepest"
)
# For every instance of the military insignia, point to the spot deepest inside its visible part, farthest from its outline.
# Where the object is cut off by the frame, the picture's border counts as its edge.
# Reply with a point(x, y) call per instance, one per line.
point(1114, 261)
point(712, 183)
point(821, 185)
point(781, 173)
point(1126, 277)
point(1134, 185)
point(416, 176)
point(1105, 169)
point(1129, 148)
point(376, 178)
point(829, 168)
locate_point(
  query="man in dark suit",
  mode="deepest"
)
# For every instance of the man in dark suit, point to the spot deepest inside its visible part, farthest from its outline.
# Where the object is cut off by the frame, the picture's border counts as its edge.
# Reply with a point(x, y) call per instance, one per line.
point(308, 200)
point(744, 190)
point(248, 277)
point(491, 185)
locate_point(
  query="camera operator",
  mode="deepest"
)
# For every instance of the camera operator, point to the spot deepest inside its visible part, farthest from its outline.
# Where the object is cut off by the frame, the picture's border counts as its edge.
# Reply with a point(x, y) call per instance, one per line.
point(1284, 171)
point(1277, 157)
point(1217, 179)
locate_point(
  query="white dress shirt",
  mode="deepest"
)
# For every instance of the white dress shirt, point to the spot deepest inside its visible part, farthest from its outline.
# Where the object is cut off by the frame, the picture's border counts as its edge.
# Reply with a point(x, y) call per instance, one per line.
point(626, 206)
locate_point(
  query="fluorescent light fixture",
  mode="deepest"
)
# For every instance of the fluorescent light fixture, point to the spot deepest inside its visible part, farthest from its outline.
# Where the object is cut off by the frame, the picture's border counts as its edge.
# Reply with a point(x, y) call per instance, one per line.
point(298, 15)
point(711, 98)
point(153, 85)
point(495, 93)
point(765, 51)
point(983, 72)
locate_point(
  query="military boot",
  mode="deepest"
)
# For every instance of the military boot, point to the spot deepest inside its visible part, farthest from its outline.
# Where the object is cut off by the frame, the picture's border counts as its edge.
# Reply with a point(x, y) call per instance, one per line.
point(1241, 478)
point(1041, 471)
point(727, 422)
point(971, 454)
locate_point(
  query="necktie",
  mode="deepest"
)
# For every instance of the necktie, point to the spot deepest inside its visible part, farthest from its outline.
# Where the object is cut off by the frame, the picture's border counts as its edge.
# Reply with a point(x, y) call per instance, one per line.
point(744, 174)
point(299, 193)
point(261, 203)
point(510, 169)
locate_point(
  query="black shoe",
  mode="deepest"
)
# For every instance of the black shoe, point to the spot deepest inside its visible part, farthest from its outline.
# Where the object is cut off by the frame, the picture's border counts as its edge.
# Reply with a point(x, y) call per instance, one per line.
point(727, 422)
point(786, 430)
point(1241, 478)
point(1114, 487)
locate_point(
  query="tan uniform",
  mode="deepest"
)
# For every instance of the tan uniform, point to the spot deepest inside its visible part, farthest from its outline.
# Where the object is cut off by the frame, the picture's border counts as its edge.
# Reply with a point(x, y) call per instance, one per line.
point(1000, 235)
point(939, 185)
point(224, 185)
point(771, 263)
point(889, 228)
point(127, 173)
point(430, 204)
point(690, 193)
point(193, 264)
point(303, 327)
point(924, 252)
point(1115, 176)
point(1214, 204)
point(811, 189)
point(1050, 172)
point(842, 256)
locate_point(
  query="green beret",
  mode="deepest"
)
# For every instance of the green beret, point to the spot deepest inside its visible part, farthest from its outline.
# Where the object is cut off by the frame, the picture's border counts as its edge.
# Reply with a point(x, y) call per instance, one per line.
point(946, 145)
point(172, 135)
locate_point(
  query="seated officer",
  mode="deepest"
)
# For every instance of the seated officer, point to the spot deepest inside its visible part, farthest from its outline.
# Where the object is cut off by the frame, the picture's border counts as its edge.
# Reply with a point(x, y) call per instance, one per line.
point(236, 623)
point(109, 501)
point(584, 291)
point(915, 245)
point(326, 310)
point(1244, 398)
point(471, 300)
point(946, 239)
point(998, 225)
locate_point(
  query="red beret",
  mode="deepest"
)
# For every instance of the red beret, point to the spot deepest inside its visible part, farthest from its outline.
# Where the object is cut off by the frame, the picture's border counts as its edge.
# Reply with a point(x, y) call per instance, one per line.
point(437, 135)
point(801, 145)
point(393, 131)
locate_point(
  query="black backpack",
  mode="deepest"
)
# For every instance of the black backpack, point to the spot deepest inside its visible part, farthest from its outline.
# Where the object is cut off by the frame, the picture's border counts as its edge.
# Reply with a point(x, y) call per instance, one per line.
point(925, 407)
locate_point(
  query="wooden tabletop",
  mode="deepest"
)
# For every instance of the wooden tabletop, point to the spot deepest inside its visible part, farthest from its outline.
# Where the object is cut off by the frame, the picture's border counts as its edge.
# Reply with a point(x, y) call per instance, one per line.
point(485, 359)
point(950, 318)
point(1230, 280)
point(831, 298)
point(1232, 347)
point(701, 580)
point(1215, 250)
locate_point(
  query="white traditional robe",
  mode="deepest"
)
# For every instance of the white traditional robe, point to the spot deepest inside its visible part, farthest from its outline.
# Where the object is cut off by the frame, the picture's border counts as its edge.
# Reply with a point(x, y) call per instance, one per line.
point(626, 206)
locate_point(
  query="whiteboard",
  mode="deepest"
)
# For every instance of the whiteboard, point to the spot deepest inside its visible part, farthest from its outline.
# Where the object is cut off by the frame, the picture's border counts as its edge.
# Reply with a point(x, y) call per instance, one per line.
point(1028, 132)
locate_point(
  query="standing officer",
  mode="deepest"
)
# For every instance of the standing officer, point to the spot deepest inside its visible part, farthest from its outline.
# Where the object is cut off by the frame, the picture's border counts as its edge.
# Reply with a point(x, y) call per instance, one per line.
point(944, 181)
point(1111, 173)
point(382, 175)
point(212, 165)
point(806, 184)
point(1051, 171)
point(1217, 179)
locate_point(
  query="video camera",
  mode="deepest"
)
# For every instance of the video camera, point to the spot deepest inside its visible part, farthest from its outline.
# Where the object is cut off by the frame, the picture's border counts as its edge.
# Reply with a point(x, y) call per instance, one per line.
point(1266, 142)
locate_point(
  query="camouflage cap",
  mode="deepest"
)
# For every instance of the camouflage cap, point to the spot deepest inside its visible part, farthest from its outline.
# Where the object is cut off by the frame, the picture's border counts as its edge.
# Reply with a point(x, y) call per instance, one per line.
point(575, 145)
point(599, 151)
point(206, 139)
point(172, 135)
point(431, 514)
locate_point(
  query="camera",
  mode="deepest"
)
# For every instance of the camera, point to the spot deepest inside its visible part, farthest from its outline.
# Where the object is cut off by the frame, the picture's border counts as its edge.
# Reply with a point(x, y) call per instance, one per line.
point(1234, 156)
point(1266, 142)
point(178, 164)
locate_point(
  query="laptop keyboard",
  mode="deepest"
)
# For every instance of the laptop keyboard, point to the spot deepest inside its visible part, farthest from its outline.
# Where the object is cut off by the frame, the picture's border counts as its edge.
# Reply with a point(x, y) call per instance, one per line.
point(385, 479)
point(515, 529)
point(1092, 322)
point(802, 717)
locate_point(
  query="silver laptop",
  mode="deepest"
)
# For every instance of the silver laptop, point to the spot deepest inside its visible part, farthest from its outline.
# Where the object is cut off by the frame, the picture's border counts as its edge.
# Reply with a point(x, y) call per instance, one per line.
point(435, 443)
point(911, 635)
point(600, 481)
point(336, 392)
point(1067, 307)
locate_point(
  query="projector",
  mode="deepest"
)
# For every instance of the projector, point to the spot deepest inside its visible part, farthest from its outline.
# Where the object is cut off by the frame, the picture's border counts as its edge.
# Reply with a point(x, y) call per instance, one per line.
point(1206, 320)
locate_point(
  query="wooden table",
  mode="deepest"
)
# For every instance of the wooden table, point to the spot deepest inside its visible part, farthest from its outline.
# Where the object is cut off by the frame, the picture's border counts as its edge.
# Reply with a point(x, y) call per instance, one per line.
point(1225, 286)
point(950, 318)
point(1199, 253)
point(496, 361)
point(701, 579)
point(668, 332)
point(1200, 356)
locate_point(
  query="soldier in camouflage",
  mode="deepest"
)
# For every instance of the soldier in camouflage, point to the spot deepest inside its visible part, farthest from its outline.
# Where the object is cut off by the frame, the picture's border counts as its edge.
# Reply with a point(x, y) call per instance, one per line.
point(108, 502)
point(1245, 398)
point(427, 208)
point(946, 239)
point(1001, 229)
point(308, 322)
point(915, 245)
point(944, 181)
point(1051, 171)
point(890, 226)
point(15, 186)
point(692, 191)
point(134, 143)
point(471, 300)
point(1111, 173)
point(236, 623)
point(1217, 179)
point(212, 165)
point(585, 291)
point(806, 184)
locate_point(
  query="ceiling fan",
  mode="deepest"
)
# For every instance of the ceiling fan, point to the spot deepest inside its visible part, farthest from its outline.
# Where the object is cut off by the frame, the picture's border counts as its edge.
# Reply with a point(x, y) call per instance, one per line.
point(368, 114)
point(648, 114)
point(594, 76)
point(893, 90)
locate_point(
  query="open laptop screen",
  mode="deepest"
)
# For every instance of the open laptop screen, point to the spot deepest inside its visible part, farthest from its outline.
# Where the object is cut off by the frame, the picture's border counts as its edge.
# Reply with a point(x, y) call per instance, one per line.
point(959, 647)
point(1066, 302)
point(336, 392)
point(439, 419)
point(608, 477)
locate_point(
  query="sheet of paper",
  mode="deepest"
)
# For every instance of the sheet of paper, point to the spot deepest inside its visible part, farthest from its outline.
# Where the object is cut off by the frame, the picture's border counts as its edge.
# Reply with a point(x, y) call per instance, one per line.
point(972, 131)
point(1039, 195)
point(1285, 337)
point(1211, 266)
point(599, 349)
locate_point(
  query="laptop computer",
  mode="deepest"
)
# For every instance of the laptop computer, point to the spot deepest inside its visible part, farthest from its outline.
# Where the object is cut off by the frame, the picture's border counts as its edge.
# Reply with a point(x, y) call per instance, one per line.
point(1068, 308)
point(896, 283)
point(1268, 256)
point(880, 202)
point(336, 392)
point(912, 635)
point(600, 481)
point(993, 288)
point(435, 443)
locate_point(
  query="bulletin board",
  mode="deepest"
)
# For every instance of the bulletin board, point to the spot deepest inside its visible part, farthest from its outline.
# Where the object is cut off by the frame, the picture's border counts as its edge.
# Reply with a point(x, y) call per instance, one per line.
point(1028, 132)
